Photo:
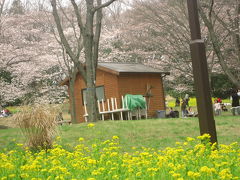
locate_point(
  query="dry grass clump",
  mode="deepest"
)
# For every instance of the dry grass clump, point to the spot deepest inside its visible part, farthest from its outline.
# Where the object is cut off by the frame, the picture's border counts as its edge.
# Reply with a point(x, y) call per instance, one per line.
point(39, 125)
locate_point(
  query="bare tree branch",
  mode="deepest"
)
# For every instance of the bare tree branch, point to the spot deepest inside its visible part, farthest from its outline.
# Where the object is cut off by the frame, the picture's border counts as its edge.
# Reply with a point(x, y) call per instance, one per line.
point(64, 40)
point(97, 34)
point(78, 14)
point(217, 48)
point(100, 6)
point(211, 9)
point(2, 3)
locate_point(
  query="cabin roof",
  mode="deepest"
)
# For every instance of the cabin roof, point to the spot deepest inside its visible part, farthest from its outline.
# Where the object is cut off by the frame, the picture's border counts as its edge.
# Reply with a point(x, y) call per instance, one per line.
point(119, 68)
point(129, 68)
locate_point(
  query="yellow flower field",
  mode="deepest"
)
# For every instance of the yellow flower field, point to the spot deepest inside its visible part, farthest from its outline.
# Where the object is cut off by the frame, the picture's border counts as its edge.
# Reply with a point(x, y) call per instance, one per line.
point(192, 159)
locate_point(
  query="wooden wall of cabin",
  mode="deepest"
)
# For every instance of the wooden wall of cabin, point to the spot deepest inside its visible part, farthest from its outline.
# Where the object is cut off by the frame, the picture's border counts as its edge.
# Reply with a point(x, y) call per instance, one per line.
point(111, 87)
point(108, 80)
point(79, 86)
point(136, 83)
point(128, 83)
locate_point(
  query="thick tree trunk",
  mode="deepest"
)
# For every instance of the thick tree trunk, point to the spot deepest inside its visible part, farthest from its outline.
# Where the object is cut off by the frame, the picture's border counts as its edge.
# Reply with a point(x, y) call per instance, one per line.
point(91, 101)
point(92, 107)
point(72, 99)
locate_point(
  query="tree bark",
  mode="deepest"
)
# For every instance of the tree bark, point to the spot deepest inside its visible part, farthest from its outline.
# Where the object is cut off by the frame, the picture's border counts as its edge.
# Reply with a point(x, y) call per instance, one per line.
point(92, 107)
point(72, 97)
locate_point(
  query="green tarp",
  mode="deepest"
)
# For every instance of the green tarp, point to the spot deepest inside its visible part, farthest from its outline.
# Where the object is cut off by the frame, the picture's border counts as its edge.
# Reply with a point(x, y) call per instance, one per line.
point(135, 101)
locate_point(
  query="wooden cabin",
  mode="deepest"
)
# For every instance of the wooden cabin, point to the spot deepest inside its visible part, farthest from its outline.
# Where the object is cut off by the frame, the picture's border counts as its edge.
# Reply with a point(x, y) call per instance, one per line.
point(115, 80)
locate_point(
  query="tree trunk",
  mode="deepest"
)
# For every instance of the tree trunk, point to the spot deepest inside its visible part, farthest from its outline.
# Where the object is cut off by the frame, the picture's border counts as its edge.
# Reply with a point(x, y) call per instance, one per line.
point(90, 44)
point(72, 98)
point(91, 101)
point(92, 107)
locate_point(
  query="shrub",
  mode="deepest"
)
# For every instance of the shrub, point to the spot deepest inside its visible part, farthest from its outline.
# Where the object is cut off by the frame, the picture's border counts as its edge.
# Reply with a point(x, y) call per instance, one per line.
point(38, 124)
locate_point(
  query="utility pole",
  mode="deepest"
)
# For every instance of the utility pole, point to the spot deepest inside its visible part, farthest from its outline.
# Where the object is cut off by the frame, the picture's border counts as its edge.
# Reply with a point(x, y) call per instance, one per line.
point(200, 73)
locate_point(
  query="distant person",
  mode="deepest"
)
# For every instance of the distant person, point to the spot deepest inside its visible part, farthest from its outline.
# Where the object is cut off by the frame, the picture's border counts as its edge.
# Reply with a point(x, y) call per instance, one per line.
point(184, 108)
point(4, 113)
point(186, 98)
point(190, 112)
point(219, 100)
point(1, 114)
point(7, 111)
point(177, 102)
point(217, 108)
point(235, 101)
point(171, 113)
point(224, 108)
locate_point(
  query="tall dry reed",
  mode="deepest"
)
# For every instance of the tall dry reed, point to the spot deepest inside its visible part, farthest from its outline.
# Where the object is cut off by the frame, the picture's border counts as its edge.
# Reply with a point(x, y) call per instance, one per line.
point(38, 124)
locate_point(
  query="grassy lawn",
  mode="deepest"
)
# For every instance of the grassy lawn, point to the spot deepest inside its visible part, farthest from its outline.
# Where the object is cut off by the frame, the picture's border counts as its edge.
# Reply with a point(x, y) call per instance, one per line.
point(192, 101)
point(154, 133)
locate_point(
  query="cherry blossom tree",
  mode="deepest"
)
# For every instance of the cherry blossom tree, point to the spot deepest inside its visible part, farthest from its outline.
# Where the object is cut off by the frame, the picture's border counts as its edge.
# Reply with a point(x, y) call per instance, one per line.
point(222, 20)
point(156, 33)
point(89, 26)
point(28, 65)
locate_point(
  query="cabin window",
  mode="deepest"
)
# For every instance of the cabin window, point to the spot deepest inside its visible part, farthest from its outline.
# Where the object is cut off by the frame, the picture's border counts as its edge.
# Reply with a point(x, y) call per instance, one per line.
point(99, 91)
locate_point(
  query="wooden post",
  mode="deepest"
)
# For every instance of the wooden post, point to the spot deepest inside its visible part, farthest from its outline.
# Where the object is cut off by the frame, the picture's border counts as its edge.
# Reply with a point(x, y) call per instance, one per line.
point(200, 73)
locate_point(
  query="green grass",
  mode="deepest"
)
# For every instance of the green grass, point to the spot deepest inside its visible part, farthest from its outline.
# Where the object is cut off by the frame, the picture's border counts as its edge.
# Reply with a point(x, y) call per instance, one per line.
point(14, 109)
point(155, 133)
point(192, 102)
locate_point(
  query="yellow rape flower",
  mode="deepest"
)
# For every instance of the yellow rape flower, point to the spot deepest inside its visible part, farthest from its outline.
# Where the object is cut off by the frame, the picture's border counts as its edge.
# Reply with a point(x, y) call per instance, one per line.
point(138, 174)
point(176, 175)
point(94, 145)
point(178, 143)
point(225, 174)
point(24, 175)
point(113, 154)
point(90, 125)
point(60, 177)
point(8, 166)
point(58, 138)
point(115, 137)
point(193, 174)
point(12, 175)
point(106, 142)
point(207, 170)
point(171, 165)
point(91, 161)
point(204, 137)
point(96, 172)
point(130, 170)
point(115, 177)
point(189, 139)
